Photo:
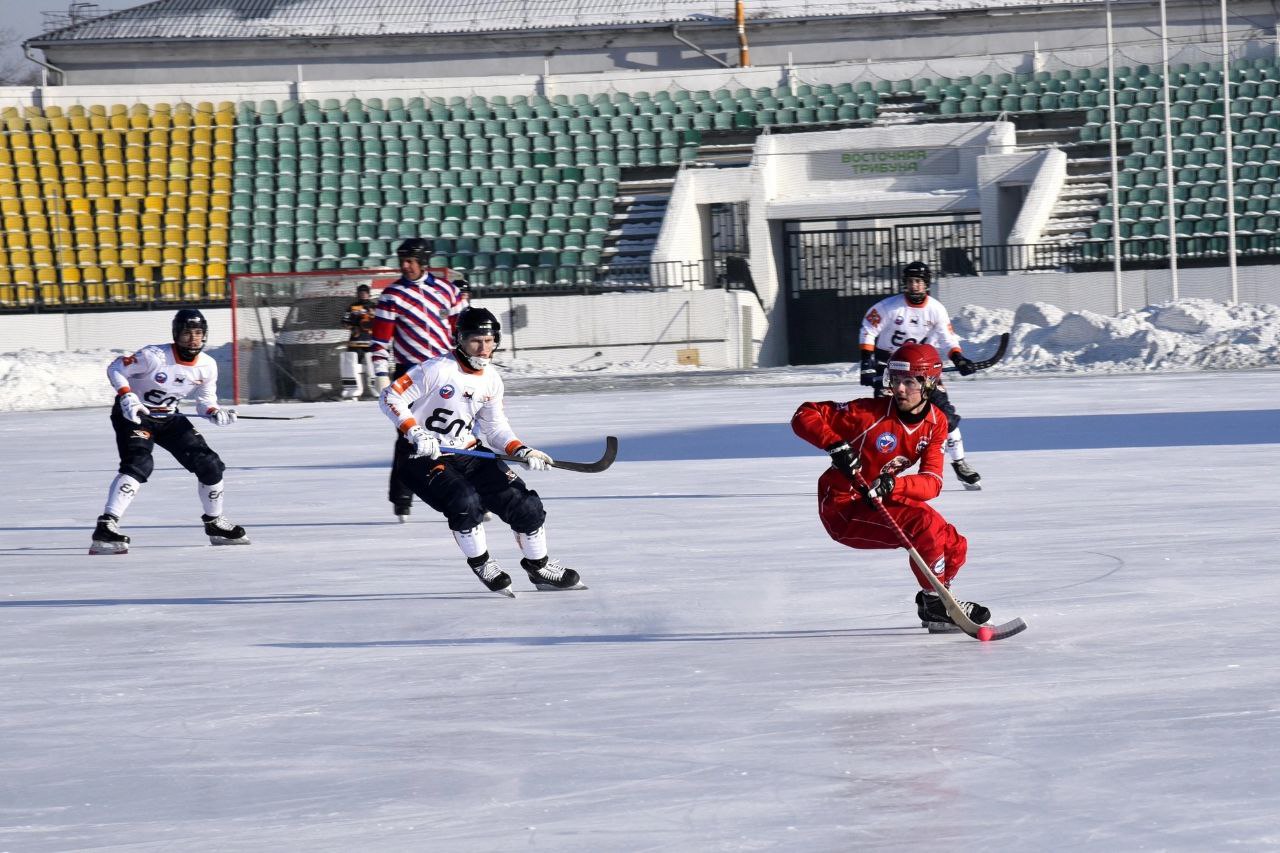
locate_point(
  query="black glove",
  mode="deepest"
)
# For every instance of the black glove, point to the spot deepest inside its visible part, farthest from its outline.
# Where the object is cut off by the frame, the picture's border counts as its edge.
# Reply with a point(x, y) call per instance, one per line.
point(843, 459)
point(881, 487)
point(867, 375)
point(963, 365)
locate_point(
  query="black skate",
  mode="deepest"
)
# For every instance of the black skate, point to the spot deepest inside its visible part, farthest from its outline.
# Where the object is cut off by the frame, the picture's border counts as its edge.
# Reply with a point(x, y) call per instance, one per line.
point(548, 575)
point(492, 575)
point(402, 512)
point(107, 538)
point(972, 479)
point(933, 615)
point(222, 532)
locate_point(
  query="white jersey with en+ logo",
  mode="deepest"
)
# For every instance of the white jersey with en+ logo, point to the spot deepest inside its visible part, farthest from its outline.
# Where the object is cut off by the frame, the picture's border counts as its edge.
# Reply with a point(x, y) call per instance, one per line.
point(459, 404)
point(893, 321)
point(161, 379)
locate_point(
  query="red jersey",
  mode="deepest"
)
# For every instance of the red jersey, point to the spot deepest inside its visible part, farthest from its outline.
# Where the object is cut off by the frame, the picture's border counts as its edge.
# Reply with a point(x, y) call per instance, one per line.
point(883, 442)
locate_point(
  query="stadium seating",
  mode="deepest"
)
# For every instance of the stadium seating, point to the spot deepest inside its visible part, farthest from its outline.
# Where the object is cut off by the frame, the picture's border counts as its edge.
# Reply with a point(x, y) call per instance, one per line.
point(163, 201)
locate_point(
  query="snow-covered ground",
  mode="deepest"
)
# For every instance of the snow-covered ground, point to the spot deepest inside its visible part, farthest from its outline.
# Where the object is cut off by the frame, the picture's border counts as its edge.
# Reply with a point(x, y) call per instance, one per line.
point(1190, 334)
point(731, 681)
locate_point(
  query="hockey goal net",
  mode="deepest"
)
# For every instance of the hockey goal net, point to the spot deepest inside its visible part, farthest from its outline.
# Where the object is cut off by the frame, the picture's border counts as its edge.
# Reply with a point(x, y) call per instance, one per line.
point(287, 332)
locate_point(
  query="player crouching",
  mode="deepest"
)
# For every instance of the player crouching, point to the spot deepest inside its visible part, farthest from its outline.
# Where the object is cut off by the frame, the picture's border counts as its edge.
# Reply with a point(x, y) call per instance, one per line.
point(884, 437)
point(149, 385)
point(455, 400)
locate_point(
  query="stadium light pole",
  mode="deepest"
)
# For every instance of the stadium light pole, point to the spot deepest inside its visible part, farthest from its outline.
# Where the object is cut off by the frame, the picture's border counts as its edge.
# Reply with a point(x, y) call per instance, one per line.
point(1115, 172)
point(1227, 102)
point(1168, 151)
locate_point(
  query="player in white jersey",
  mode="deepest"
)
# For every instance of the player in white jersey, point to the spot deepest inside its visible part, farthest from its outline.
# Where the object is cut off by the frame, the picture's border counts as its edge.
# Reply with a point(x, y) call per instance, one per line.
point(912, 316)
point(455, 400)
point(150, 384)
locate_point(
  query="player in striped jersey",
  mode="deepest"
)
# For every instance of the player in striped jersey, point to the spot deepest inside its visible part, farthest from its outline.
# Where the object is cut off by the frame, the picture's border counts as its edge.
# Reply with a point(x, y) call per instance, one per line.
point(413, 322)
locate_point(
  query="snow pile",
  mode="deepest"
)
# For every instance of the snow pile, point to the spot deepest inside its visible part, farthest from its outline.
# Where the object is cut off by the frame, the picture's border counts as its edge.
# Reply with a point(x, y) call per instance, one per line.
point(1189, 334)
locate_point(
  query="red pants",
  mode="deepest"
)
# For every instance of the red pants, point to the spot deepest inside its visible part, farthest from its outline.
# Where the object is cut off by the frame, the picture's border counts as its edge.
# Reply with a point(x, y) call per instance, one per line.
point(851, 521)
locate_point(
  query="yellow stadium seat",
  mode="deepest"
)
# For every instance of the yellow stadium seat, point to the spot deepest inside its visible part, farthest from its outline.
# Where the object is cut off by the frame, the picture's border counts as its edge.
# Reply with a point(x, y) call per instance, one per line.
point(94, 291)
point(86, 257)
point(172, 255)
point(217, 236)
point(175, 236)
point(215, 280)
point(24, 289)
point(151, 256)
point(144, 281)
point(71, 285)
point(193, 254)
point(171, 282)
point(215, 254)
point(19, 258)
point(130, 256)
point(134, 188)
point(108, 255)
point(42, 258)
point(116, 282)
point(47, 286)
point(129, 204)
point(114, 188)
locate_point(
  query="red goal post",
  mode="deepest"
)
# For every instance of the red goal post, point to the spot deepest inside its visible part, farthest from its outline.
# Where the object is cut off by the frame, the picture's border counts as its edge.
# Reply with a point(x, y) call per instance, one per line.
point(287, 334)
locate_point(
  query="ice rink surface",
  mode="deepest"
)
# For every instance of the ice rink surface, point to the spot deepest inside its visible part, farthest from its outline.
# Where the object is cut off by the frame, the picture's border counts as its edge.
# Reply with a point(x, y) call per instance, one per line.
point(732, 680)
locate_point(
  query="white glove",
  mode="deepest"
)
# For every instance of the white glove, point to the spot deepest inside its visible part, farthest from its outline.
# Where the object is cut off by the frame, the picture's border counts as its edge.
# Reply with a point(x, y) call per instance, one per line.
point(222, 417)
point(424, 443)
point(131, 408)
point(380, 382)
point(534, 460)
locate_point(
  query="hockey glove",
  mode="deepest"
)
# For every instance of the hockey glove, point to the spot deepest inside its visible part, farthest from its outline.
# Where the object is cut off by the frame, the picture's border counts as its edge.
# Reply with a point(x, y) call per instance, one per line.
point(843, 459)
point(222, 417)
point(380, 382)
point(424, 443)
point(534, 460)
point(881, 487)
point(964, 366)
point(131, 408)
point(867, 375)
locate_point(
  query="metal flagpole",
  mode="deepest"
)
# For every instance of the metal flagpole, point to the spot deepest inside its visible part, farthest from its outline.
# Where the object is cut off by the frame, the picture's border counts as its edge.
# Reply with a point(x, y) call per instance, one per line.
point(1227, 102)
point(1115, 172)
point(1168, 152)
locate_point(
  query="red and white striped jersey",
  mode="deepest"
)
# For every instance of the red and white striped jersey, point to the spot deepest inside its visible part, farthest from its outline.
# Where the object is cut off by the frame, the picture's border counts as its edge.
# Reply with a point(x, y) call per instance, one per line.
point(461, 405)
point(161, 379)
point(414, 321)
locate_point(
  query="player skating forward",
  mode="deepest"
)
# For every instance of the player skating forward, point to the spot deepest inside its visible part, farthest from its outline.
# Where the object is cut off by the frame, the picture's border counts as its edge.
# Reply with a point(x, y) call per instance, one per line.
point(149, 385)
point(455, 400)
point(882, 437)
point(912, 316)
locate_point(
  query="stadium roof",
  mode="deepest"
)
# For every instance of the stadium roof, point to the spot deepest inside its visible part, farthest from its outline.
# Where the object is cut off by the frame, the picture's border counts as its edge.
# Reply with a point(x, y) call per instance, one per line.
point(258, 19)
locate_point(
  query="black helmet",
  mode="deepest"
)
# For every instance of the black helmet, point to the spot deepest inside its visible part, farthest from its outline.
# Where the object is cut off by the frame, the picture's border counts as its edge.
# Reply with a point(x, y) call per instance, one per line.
point(920, 270)
point(190, 318)
point(416, 248)
point(475, 321)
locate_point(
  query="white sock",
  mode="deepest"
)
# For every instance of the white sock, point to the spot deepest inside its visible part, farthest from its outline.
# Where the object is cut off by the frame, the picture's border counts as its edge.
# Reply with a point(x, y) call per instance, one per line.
point(533, 545)
point(472, 542)
point(211, 497)
point(122, 492)
point(955, 445)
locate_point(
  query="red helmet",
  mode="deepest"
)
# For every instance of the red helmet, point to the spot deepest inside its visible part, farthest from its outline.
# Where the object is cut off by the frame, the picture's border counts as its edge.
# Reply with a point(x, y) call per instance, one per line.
point(917, 360)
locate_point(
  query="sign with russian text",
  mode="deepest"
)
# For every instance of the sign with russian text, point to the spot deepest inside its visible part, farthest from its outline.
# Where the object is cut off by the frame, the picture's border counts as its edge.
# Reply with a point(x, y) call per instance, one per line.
point(883, 163)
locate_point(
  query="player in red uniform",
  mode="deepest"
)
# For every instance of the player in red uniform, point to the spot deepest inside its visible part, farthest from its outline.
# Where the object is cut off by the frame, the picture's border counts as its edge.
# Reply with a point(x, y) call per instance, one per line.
point(883, 437)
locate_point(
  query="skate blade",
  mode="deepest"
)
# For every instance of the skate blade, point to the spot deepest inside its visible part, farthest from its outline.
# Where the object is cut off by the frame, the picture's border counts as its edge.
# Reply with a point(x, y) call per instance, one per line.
point(506, 591)
point(941, 628)
point(546, 587)
point(403, 519)
point(218, 540)
point(971, 487)
point(108, 548)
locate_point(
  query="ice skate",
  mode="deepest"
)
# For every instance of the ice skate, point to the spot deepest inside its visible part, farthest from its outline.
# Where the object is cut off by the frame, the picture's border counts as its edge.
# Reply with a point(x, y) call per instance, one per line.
point(107, 538)
point(402, 512)
point(550, 575)
point(972, 479)
point(492, 575)
point(223, 532)
point(933, 615)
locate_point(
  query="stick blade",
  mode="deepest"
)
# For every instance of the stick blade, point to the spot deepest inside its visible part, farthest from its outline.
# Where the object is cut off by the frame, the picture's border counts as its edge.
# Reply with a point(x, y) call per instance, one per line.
point(610, 454)
point(988, 633)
